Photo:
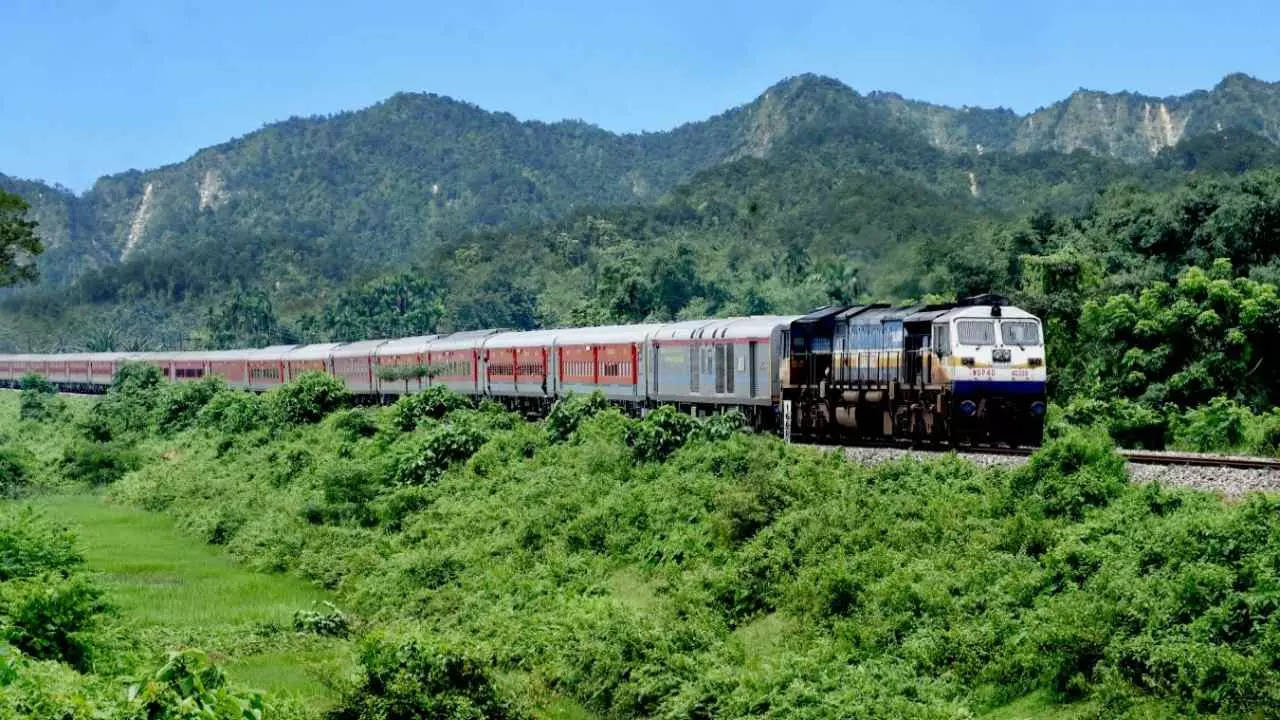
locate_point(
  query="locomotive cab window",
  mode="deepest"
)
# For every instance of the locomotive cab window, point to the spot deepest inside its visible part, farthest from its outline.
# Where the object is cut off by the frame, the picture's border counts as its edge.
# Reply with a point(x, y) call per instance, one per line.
point(1020, 332)
point(976, 332)
point(942, 340)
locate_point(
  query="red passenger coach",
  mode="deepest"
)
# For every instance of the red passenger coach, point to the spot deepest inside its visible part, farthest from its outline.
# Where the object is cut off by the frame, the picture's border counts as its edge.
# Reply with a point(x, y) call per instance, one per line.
point(516, 366)
point(407, 353)
point(353, 364)
point(608, 359)
point(454, 361)
point(265, 367)
point(230, 366)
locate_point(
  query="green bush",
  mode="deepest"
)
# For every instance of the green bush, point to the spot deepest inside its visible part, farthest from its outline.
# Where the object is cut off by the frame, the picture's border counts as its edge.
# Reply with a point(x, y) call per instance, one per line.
point(180, 404)
point(1220, 426)
point(328, 621)
point(1073, 473)
point(569, 412)
point(39, 400)
point(308, 398)
point(435, 450)
point(723, 425)
point(30, 545)
point(233, 412)
point(1130, 423)
point(129, 407)
point(401, 679)
point(431, 404)
point(97, 463)
point(190, 685)
point(353, 424)
point(16, 466)
point(661, 433)
point(48, 617)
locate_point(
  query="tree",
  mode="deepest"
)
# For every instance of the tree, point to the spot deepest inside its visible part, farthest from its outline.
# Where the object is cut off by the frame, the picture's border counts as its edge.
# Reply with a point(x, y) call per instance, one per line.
point(18, 241)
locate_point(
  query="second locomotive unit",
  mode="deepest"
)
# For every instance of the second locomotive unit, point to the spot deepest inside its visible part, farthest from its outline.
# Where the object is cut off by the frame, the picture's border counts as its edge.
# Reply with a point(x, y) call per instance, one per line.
point(968, 372)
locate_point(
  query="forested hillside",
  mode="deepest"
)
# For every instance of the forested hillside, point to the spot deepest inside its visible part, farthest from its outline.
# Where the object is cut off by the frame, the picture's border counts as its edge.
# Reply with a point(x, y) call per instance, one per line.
point(424, 213)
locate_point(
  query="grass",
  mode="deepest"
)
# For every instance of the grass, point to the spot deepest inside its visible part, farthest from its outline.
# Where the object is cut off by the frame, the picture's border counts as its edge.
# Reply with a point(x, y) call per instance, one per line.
point(171, 591)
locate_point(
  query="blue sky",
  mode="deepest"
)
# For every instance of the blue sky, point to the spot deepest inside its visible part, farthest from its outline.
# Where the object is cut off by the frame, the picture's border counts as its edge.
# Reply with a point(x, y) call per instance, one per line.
point(101, 86)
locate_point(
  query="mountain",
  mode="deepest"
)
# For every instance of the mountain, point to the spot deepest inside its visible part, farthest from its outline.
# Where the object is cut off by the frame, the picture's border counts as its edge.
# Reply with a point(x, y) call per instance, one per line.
point(418, 167)
point(776, 204)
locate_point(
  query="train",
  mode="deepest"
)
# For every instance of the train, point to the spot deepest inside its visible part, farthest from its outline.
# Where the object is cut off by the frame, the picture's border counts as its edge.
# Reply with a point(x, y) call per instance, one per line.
point(968, 372)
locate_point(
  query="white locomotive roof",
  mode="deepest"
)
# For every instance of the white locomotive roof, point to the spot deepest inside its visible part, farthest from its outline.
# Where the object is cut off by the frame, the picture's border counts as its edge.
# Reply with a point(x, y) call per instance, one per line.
point(360, 348)
point(400, 346)
point(318, 351)
point(606, 334)
point(530, 338)
point(1007, 312)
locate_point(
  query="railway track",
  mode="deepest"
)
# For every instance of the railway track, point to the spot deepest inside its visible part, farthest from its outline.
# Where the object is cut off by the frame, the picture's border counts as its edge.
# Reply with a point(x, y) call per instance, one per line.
point(1138, 457)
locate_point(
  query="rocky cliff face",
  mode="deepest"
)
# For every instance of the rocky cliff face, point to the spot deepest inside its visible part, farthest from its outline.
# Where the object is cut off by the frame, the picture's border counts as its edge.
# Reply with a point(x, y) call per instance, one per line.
point(421, 165)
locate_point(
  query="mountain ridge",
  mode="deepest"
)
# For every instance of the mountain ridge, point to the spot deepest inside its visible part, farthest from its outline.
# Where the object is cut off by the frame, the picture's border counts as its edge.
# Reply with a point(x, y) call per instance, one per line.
point(422, 166)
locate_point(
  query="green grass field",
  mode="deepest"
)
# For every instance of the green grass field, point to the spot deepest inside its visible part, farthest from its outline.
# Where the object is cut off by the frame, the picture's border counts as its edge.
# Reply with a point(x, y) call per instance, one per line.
point(170, 591)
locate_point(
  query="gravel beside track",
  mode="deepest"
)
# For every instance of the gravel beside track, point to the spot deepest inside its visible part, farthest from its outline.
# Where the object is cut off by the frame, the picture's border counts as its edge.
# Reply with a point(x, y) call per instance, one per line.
point(1227, 481)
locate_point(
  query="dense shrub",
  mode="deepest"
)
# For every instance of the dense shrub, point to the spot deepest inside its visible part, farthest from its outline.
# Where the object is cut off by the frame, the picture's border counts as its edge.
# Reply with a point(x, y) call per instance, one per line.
point(1130, 423)
point(48, 617)
point(97, 463)
point(39, 400)
point(353, 424)
point(31, 544)
point(328, 621)
point(569, 412)
point(1221, 425)
point(308, 398)
point(723, 425)
point(431, 404)
point(429, 455)
point(233, 412)
point(190, 685)
point(1072, 474)
point(16, 465)
point(179, 405)
point(661, 433)
point(412, 678)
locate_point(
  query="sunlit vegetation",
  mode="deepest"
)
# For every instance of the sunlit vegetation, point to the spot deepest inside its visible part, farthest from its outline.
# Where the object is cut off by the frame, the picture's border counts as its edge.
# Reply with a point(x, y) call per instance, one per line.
point(597, 565)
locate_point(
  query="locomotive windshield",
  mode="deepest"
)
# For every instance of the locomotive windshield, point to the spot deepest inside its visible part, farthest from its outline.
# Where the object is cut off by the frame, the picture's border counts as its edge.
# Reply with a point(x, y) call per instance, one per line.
point(1020, 332)
point(976, 332)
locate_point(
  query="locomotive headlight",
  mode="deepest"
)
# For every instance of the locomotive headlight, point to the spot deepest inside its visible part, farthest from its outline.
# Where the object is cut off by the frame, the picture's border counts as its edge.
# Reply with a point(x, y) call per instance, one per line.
point(966, 361)
point(1037, 408)
point(1035, 362)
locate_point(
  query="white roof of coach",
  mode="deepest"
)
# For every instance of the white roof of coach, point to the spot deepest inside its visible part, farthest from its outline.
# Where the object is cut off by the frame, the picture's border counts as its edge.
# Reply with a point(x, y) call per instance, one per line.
point(682, 330)
point(606, 335)
point(275, 352)
point(519, 339)
point(360, 348)
point(317, 351)
point(755, 326)
point(401, 346)
point(469, 340)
